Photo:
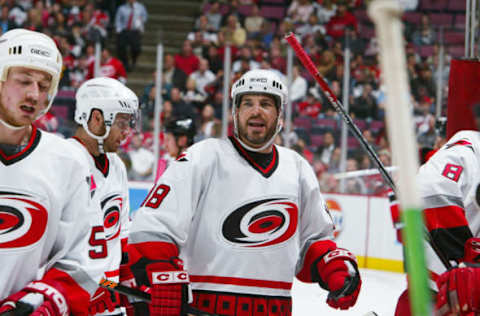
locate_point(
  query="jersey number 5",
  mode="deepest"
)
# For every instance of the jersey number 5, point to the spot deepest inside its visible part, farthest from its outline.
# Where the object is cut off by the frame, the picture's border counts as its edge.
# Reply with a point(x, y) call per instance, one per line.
point(97, 240)
point(156, 196)
point(452, 171)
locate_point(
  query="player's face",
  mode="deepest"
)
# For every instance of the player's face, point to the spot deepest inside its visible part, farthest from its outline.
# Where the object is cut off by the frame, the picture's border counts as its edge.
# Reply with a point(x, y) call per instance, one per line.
point(118, 132)
point(171, 145)
point(23, 95)
point(257, 118)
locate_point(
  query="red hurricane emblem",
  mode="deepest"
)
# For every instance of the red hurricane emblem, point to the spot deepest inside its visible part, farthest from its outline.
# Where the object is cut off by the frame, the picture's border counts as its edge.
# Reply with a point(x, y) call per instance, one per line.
point(261, 223)
point(111, 207)
point(22, 221)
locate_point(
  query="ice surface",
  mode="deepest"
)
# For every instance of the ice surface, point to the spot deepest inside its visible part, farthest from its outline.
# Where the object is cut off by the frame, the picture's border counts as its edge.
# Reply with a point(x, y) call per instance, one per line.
point(380, 291)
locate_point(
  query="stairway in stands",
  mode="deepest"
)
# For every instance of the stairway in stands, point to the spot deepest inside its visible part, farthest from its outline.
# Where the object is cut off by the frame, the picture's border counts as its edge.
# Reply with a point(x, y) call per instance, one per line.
point(169, 22)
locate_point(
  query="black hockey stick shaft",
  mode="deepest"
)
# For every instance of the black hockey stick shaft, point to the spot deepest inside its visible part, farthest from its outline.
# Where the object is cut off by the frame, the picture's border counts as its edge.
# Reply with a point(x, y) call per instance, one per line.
point(144, 297)
point(335, 103)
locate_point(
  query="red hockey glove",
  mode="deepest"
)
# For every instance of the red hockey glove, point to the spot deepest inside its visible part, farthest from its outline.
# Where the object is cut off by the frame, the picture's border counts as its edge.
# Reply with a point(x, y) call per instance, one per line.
point(41, 298)
point(101, 301)
point(339, 275)
point(459, 291)
point(472, 250)
point(169, 287)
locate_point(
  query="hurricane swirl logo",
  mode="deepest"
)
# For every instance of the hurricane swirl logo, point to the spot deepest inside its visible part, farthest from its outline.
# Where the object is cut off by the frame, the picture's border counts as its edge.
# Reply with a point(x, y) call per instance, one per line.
point(336, 214)
point(111, 207)
point(23, 220)
point(261, 223)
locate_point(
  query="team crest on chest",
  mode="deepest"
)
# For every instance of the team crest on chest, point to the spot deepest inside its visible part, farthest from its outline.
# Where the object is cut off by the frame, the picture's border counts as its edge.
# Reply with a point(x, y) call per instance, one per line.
point(23, 220)
point(261, 223)
point(112, 206)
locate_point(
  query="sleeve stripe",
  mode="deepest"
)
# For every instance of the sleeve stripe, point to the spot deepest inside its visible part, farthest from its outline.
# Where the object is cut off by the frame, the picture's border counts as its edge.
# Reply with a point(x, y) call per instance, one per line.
point(445, 217)
point(436, 201)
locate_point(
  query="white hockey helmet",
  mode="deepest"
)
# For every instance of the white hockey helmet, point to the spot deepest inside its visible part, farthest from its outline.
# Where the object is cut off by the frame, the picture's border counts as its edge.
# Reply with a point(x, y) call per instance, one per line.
point(259, 81)
point(108, 95)
point(29, 49)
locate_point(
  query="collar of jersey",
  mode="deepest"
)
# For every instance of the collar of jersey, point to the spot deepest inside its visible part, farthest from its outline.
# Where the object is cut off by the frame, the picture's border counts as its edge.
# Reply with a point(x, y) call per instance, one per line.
point(33, 142)
point(265, 164)
point(101, 161)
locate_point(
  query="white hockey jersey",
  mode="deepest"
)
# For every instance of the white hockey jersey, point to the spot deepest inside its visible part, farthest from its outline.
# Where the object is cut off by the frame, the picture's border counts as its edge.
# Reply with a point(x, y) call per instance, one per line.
point(241, 227)
point(46, 215)
point(449, 183)
point(111, 193)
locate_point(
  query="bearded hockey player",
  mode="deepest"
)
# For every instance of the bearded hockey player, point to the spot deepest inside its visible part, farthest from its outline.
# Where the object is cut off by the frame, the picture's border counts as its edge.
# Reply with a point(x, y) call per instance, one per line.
point(46, 215)
point(106, 110)
point(247, 217)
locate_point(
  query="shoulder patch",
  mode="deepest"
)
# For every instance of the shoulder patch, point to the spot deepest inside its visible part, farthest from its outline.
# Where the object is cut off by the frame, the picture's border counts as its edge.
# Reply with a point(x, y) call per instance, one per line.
point(461, 142)
point(182, 157)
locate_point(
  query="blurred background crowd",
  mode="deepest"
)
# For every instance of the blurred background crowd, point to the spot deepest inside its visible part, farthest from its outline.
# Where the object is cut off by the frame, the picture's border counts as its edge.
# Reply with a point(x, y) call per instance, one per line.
point(254, 29)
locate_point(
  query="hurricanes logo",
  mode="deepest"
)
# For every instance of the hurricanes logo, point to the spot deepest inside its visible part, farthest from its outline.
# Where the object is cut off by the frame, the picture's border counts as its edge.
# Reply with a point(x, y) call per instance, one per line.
point(261, 223)
point(337, 216)
point(23, 220)
point(111, 207)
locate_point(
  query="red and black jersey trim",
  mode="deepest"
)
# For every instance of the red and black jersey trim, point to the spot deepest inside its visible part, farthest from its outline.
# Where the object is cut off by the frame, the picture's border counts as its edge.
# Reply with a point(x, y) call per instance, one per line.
point(9, 159)
point(448, 229)
point(101, 161)
point(265, 164)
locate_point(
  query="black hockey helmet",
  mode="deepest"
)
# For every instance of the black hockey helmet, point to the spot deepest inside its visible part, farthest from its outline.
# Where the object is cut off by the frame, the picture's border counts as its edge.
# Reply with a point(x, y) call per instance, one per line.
point(182, 126)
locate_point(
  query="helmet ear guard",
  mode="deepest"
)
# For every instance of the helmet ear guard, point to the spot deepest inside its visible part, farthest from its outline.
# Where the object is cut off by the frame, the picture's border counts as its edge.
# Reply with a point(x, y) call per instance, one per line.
point(259, 81)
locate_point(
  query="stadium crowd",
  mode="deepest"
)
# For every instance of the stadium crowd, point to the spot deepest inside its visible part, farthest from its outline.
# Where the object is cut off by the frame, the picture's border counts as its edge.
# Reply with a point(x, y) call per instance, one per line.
point(254, 29)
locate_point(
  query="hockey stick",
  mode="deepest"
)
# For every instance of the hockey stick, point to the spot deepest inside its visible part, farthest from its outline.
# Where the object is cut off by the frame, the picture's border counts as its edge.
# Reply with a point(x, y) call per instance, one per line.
point(142, 296)
point(335, 103)
point(330, 96)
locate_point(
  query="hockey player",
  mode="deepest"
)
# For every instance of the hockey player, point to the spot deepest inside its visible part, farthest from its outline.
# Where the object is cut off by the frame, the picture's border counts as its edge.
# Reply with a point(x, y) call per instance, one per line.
point(46, 215)
point(246, 216)
point(450, 189)
point(105, 111)
point(179, 133)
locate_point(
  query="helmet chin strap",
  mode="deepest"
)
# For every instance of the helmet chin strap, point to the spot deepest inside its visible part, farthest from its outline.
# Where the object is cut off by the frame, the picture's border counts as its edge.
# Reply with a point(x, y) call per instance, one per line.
point(98, 138)
point(15, 128)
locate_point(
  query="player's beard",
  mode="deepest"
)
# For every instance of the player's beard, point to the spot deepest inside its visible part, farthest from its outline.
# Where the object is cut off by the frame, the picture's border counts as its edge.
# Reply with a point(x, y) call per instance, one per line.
point(254, 139)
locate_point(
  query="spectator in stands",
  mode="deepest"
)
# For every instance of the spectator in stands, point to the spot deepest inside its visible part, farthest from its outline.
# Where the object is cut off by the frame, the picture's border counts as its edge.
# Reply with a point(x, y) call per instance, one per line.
point(234, 33)
point(5, 22)
point(424, 33)
point(96, 22)
point(324, 10)
point(365, 106)
point(277, 61)
point(142, 160)
point(191, 95)
point(254, 22)
point(109, 67)
point(342, 19)
point(354, 185)
point(328, 183)
point(299, 11)
point(245, 56)
point(311, 27)
point(172, 75)
point(129, 25)
point(423, 84)
point(299, 85)
point(214, 16)
point(17, 14)
point(310, 106)
point(179, 106)
point(34, 20)
point(202, 26)
point(427, 135)
point(214, 61)
point(203, 76)
point(326, 150)
point(186, 60)
point(357, 44)
point(207, 122)
point(327, 63)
